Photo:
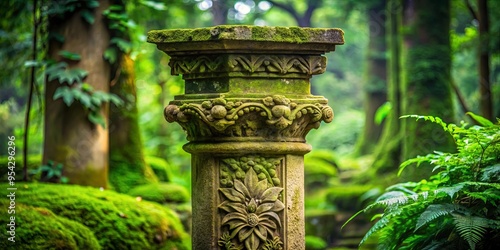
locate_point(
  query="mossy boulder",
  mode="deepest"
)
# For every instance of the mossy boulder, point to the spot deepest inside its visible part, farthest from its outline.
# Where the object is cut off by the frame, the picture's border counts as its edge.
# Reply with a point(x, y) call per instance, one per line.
point(160, 168)
point(117, 221)
point(39, 228)
point(348, 197)
point(125, 174)
point(161, 193)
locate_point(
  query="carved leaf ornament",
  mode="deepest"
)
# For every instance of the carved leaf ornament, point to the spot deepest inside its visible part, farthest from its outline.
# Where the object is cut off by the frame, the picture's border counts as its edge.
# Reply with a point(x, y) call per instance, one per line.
point(252, 208)
point(280, 64)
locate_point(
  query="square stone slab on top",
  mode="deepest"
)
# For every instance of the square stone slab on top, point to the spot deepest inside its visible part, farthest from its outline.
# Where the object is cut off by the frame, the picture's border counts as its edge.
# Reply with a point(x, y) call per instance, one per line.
point(247, 39)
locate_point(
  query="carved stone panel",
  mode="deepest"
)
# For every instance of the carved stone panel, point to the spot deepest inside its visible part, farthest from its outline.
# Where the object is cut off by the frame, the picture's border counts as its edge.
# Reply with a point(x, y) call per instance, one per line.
point(250, 63)
point(251, 207)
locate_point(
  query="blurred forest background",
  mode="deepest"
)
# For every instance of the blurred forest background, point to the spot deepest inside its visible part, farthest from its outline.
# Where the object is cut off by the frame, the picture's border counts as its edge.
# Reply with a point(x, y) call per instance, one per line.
point(83, 93)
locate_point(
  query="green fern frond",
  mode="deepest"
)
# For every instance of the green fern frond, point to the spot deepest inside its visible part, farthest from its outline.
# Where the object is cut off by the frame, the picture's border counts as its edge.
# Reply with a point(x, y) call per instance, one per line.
point(389, 199)
point(436, 245)
point(433, 212)
point(450, 191)
point(491, 174)
point(471, 228)
point(382, 223)
point(446, 127)
point(494, 224)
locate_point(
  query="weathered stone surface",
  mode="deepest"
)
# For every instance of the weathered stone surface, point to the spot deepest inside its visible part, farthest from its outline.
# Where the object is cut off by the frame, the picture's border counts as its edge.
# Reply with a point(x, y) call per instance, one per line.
point(247, 109)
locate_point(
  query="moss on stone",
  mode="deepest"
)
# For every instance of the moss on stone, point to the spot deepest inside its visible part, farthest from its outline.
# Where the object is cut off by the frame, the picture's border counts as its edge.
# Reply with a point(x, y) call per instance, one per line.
point(161, 193)
point(39, 228)
point(118, 221)
point(247, 32)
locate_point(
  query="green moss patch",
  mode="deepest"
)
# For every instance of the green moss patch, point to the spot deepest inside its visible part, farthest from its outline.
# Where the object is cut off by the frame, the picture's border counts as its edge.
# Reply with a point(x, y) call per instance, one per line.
point(117, 221)
point(248, 33)
point(161, 193)
point(160, 167)
point(39, 228)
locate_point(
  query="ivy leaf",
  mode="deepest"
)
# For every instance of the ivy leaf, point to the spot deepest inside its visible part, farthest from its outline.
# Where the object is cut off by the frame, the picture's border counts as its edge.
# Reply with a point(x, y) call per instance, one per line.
point(85, 101)
point(66, 94)
point(96, 118)
point(124, 45)
point(88, 16)
point(115, 100)
point(56, 36)
point(55, 67)
point(110, 55)
point(92, 4)
point(87, 87)
point(72, 75)
point(70, 55)
point(96, 101)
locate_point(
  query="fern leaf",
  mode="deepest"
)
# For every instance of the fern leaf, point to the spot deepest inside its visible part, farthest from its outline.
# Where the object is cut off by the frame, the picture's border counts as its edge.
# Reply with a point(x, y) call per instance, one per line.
point(450, 191)
point(491, 174)
point(433, 212)
point(436, 245)
point(382, 223)
point(389, 199)
point(470, 228)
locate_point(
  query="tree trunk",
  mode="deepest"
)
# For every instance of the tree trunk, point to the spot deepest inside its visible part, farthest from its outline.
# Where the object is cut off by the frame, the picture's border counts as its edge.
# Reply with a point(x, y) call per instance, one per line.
point(426, 78)
point(126, 158)
point(69, 137)
point(388, 150)
point(219, 12)
point(486, 103)
point(375, 77)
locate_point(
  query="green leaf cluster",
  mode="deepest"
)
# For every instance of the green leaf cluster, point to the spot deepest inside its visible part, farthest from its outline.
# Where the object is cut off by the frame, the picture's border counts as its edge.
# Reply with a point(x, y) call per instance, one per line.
point(75, 90)
point(121, 26)
point(51, 171)
point(457, 206)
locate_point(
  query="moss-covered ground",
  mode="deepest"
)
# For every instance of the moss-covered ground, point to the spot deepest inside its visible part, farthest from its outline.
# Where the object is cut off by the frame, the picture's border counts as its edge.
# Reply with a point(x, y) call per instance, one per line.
point(56, 216)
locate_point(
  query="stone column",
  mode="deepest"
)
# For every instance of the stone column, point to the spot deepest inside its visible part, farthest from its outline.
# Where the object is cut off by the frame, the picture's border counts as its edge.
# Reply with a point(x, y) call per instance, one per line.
point(246, 110)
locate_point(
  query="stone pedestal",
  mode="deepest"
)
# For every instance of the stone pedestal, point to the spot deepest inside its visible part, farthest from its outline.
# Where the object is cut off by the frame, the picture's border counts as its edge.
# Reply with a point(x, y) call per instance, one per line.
point(246, 110)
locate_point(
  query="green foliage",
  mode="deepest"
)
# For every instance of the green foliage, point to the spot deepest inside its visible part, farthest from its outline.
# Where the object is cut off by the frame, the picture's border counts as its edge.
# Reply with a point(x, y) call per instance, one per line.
point(117, 221)
point(459, 204)
point(315, 243)
point(34, 162)
point(62, 73)
point(51, 171)
point(76, 90)
point(382, 112)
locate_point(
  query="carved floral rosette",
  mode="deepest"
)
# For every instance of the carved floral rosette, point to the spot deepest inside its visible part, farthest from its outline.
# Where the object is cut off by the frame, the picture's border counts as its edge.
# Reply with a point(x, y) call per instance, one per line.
point(251, 207)
point(273, 116)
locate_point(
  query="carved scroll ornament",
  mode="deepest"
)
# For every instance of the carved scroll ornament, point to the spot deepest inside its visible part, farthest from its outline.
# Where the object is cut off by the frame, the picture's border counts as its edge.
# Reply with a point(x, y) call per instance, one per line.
point(226, 117)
